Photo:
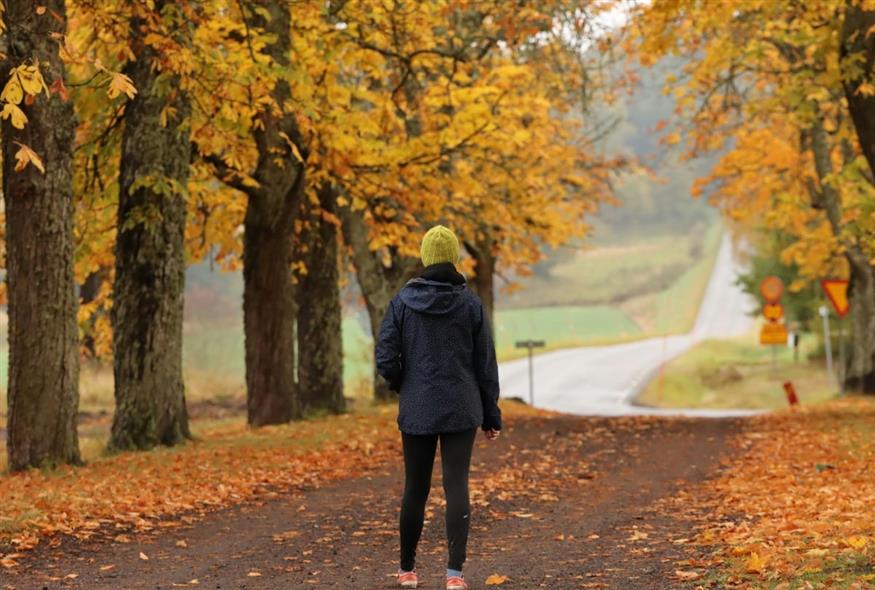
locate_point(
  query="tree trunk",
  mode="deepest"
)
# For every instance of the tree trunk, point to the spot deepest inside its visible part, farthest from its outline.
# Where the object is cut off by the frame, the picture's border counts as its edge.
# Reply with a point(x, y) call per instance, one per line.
point(43, 389)
point(149, 284)
point(269, 310)
point(858, 44)
point(860, 369)
point(320, 340)
point(483, 282)
point(378, 282)
point(269, 307)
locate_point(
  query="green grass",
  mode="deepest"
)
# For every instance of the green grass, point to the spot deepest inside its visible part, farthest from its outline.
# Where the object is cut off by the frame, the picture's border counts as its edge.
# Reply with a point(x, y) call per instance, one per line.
point(613, 272)
point(218, 349)
point(560, 327)
point(736, 373)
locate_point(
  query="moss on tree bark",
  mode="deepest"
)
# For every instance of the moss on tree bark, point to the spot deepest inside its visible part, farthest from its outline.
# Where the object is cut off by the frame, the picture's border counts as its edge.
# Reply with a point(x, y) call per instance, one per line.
point(149, 284)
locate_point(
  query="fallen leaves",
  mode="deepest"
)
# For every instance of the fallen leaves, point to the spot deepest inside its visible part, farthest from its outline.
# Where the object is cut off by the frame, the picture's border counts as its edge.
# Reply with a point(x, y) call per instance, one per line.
point(797, 499)
point(118, 495)
point(495, 580)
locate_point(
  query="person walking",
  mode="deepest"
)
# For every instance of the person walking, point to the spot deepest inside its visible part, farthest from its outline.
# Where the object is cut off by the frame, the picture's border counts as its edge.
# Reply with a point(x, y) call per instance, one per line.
point(435, 349)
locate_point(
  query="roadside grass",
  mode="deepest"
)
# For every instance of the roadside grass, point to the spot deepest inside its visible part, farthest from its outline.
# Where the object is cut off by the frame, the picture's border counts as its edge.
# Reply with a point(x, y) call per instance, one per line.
point(226, 463)
point(734, 374)
point(612, 272)
point(560, 326)
point(792, 506)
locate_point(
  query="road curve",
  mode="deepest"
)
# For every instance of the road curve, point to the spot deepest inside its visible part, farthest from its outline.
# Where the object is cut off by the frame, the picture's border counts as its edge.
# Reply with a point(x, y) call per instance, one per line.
point(604, 380)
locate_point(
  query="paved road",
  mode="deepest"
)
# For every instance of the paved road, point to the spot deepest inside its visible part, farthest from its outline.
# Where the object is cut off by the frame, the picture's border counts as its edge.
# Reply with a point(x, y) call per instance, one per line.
point(603, 380)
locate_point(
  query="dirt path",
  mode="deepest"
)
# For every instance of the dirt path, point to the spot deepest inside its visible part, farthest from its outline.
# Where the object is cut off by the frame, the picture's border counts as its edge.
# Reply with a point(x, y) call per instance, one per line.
point(558, 503)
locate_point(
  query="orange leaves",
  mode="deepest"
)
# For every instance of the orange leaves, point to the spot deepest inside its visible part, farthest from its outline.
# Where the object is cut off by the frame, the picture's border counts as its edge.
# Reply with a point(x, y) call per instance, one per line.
point(798, 498)
point(228, 463)
point(15, 115)
point(25, 156)
point(495, 580)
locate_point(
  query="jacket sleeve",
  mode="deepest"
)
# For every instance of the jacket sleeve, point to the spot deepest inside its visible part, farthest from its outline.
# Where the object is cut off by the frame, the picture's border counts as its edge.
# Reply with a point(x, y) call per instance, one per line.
point(486, 368)
point(387, 352)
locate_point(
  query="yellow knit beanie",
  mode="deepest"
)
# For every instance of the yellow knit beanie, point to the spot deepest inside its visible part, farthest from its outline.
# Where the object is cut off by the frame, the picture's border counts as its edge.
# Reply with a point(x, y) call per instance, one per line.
point(439, 245)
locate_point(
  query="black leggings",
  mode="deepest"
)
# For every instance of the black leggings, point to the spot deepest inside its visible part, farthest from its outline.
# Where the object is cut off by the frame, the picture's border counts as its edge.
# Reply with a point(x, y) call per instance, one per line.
point(419, 451)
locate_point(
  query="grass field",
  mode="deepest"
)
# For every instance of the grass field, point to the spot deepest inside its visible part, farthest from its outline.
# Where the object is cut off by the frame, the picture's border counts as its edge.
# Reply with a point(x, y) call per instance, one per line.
point(737, 373)
point(613, 271)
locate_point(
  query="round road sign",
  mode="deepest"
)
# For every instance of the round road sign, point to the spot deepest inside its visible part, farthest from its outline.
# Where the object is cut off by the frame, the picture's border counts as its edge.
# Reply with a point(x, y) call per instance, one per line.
point(772, 288)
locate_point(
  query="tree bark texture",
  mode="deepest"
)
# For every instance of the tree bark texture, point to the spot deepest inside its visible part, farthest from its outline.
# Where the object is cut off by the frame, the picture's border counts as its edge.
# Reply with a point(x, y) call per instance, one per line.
point(149, 283)
point(483, 282)
point(269, 306)
point(43, 388)
point(378, 282)
point(858, 59)
point(320, 339)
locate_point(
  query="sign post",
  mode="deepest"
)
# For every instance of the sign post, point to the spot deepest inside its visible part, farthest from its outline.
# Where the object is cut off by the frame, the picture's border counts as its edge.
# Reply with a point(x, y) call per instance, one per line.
point(836, 291)
point(774, 331)
point(531, 345)
point(827, 341)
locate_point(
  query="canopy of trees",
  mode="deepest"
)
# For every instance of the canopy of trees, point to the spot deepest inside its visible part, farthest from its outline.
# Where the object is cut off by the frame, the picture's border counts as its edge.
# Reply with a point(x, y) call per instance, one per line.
point(786, 89)
point(291, 138)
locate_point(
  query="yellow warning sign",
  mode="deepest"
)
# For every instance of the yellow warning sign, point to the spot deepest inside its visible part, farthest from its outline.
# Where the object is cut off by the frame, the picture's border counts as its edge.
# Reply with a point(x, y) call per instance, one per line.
point(837, 292)
point(773, 311)
point(773, 333)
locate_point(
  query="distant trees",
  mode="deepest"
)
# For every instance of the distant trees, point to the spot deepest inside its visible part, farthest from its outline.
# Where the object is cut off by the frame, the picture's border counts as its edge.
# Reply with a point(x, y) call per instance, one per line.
point(292, 139)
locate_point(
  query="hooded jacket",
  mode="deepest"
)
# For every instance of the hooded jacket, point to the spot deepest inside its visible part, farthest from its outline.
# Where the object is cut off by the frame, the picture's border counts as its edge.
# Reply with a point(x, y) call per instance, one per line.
point(435, 348)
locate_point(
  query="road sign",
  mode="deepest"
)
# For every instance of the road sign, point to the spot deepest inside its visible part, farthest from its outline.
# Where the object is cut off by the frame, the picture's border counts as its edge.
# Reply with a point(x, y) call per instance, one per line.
point(837, 292)
point(531, 344)
point(773, 311)
point(772, 288)
point(773, 333)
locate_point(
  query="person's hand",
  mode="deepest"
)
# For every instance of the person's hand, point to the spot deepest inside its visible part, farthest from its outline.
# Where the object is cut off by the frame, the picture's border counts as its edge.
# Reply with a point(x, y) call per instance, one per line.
point(491, 434)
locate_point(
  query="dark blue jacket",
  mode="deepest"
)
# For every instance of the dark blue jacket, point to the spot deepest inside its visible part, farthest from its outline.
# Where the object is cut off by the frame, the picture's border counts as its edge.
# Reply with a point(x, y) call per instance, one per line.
point(435, 348)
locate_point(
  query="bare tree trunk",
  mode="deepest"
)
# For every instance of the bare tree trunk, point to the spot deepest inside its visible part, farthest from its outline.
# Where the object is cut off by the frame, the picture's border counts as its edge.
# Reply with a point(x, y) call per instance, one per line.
point(378, 282)
point(860, 372)
point(858, 65)
point(320, 339)
point(149, 284)
point(43, 387)
point(269, 306)
point(483, 282)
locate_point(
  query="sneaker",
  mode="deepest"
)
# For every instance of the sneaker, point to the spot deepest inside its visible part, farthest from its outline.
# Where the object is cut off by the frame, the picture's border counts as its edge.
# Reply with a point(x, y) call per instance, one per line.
point(456, 583)
point(407, 579)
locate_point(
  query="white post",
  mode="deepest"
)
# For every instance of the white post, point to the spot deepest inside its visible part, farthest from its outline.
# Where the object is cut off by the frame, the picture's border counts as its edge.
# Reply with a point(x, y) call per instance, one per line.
point(824, 313)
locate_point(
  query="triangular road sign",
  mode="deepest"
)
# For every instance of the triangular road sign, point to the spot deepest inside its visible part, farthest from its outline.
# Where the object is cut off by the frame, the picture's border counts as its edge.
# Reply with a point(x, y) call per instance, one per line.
point(837, 292)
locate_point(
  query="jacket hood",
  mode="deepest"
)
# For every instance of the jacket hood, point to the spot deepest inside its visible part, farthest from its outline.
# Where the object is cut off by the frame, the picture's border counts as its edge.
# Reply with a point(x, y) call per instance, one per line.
point(432, 297)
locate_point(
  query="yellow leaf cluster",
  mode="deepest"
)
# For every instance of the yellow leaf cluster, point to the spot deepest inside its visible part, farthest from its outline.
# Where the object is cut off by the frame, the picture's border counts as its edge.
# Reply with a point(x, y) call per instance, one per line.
point(760, 82)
